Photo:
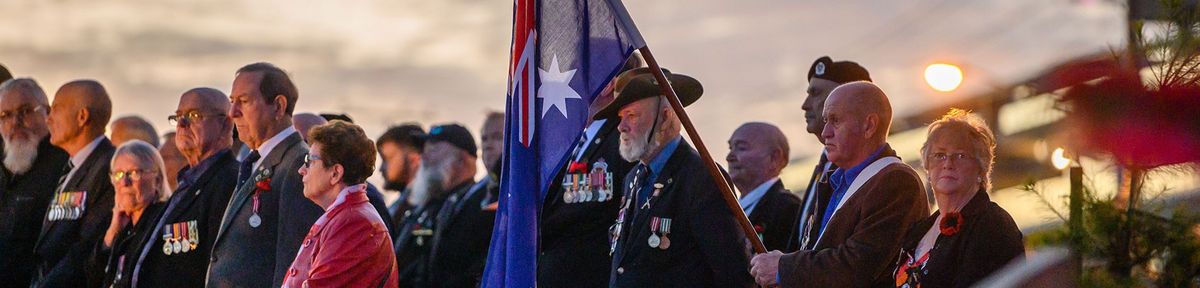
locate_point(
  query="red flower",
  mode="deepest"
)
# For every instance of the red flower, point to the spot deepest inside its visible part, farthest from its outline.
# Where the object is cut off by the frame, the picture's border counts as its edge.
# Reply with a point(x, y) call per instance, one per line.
point(577, 167)
point(759, 228)
point(951, 223)
point(263, 185)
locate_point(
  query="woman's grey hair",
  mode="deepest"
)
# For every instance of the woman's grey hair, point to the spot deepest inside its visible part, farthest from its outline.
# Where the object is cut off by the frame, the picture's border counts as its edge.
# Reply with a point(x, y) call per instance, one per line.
point(961, 123)
point(148, 158)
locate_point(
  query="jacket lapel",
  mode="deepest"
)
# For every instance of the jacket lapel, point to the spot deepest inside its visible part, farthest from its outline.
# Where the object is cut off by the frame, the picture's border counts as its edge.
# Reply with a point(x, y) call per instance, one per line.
point(103, 150)
point(639, 229)
point(243, 193)
point(192, 193)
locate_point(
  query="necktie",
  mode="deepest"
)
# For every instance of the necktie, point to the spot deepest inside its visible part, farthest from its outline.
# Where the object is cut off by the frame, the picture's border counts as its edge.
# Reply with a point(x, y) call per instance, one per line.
point(639, 184)
point(244, 171)
point(66, 172)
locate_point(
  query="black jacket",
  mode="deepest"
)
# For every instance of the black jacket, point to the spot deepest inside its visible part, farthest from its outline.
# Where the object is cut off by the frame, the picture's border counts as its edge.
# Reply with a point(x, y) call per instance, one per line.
point(204, 203)
point(574, 239)
point(707, 248)
point(461, 238)
point(66, 242)
point(23, 202)
point(113, 266)
point(774, 216)
point(244, 256)
point(987, 240)
point(413, 241)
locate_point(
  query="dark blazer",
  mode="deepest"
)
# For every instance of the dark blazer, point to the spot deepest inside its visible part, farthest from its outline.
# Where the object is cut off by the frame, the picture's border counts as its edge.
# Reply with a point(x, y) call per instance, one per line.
point(867, 229)
point(707, 248)
point(413, 242)
point(64, 245)
point(23, 202)
point(574, 239)
point(113, 266)
point(244, 256)
point(988, 240)
point(381, 208)
point(820, 177)
point(461, 238)
point(203, 202)
point(774, 216)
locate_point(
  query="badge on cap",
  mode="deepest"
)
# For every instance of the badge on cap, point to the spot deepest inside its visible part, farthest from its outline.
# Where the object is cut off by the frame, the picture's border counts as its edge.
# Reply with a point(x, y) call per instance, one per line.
point(820, 69)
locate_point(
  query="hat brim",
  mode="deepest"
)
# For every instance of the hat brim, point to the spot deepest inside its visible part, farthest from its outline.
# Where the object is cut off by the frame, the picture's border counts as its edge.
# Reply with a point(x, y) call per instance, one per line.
point(644, 86)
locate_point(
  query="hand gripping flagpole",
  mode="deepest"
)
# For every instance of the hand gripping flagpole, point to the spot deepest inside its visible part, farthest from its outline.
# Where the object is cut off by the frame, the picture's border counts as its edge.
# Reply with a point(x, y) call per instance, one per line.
point(717, 176)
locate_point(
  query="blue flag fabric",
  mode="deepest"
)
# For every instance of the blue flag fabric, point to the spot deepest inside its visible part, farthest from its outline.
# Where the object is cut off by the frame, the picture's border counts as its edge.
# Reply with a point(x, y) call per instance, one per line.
point(564, 53)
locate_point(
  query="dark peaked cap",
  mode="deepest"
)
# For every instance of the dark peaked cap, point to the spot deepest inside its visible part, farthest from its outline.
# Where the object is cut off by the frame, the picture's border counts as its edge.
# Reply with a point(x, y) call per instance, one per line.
point(638, 84)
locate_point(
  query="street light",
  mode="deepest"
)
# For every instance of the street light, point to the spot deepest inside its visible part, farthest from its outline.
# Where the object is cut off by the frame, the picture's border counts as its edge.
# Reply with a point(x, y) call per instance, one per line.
point(943, 77)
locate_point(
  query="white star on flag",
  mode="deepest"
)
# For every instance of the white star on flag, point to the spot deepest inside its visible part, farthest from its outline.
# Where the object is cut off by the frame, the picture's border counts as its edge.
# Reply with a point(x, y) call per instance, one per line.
point(556, 88)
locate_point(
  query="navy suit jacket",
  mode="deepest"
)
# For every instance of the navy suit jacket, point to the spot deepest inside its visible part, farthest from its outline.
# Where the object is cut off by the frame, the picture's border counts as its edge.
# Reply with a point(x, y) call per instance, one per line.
point(707, 248)
point(65, 246)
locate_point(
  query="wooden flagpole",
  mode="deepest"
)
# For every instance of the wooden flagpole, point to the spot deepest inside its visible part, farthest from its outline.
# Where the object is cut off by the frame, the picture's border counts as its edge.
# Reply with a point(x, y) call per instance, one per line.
point(726, 193)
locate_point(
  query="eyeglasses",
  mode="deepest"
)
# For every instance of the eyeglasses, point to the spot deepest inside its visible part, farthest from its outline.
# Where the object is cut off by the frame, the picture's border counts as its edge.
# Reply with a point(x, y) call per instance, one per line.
point(940, 157)
point(185, 119)
point(134, 174)
point(21, 113)
point(309, 158)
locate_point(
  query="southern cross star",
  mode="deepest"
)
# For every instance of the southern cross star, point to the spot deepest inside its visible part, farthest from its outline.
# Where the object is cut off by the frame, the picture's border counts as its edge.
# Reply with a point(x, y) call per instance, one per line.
point(556, 88)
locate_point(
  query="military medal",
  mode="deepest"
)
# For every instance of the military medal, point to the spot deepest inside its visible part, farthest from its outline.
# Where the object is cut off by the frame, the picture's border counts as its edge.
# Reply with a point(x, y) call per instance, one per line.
point(166, 242)
point(255, 220)
point(665, 224)
point(185, 244)
point(193, 235)
point(175, 245)
point(654, 241)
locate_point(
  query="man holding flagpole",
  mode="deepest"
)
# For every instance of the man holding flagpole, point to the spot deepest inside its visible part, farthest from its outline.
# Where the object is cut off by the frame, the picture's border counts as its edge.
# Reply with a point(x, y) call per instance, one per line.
point(673, 228)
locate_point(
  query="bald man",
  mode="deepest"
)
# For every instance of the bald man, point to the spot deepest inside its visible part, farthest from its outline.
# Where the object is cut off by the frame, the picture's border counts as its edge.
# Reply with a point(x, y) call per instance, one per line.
point(81, 209)
point(758, 152)
point(29, 163)
point(133, 128)
point(305, 121)
point(872, 200)
point(203, 135)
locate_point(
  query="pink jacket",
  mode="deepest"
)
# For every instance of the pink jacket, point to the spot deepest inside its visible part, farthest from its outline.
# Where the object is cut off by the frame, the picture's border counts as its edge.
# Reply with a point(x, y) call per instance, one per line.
point(349, 246)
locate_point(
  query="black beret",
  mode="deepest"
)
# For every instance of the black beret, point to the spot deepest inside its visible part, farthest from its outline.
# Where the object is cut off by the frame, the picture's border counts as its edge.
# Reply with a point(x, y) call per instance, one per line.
point(841, 72)
point(639, 83)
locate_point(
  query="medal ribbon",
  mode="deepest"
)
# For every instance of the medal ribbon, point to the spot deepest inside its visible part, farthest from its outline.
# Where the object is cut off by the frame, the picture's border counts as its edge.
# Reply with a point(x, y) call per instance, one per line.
point(654, 222)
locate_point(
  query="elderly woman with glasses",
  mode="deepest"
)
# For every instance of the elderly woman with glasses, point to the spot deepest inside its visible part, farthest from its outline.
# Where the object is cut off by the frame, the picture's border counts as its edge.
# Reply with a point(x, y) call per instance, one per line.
point(969, 237)
point(141, 190)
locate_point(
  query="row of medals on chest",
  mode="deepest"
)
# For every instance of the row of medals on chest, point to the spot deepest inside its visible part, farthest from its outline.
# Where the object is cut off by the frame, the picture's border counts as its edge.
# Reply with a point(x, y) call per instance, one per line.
point(180, 237)
point(657, 224)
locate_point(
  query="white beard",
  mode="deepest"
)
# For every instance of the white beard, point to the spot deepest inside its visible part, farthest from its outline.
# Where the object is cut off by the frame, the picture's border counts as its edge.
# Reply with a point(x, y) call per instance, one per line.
point(638, 147)
point(430, 181)
point(19, 154)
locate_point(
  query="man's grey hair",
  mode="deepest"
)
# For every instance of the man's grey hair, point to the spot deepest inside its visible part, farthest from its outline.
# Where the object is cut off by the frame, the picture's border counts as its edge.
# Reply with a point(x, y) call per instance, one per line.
point(26, 86)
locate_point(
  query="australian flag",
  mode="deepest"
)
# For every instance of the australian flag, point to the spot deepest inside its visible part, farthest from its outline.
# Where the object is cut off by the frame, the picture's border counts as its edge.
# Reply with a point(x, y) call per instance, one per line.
point(564, 52)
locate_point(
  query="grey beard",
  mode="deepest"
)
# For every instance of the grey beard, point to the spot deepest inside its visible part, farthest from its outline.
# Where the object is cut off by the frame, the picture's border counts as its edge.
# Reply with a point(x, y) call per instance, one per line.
point(19, 155)
point(430, 182)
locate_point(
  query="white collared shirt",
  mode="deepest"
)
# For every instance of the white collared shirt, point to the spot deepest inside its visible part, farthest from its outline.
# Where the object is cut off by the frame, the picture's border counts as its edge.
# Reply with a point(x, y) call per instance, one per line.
point(751, 199)
point(80, 157)
point(266, 147)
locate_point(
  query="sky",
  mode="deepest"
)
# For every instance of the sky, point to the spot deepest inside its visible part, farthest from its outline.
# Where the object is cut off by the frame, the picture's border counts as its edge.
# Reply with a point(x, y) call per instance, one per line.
point(393, 61)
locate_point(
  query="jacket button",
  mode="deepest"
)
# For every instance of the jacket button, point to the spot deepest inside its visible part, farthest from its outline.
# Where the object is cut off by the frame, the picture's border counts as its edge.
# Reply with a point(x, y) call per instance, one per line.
point(213, 259)
point(620, 270)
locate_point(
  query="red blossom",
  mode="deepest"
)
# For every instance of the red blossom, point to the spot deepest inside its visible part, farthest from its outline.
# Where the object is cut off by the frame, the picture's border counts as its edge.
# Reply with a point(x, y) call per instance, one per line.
point(263, 185)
